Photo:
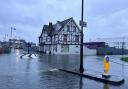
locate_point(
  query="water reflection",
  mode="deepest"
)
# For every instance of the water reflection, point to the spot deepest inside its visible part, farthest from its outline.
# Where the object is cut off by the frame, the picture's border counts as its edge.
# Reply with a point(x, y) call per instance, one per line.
point(40, 78)
point(17, 51)
point(81, 83)
point(61, 61)
point(106, 86)
point(28, 65)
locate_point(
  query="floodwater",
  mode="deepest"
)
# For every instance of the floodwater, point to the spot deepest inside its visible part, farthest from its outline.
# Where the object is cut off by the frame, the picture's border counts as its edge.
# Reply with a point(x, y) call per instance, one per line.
point(41, 72)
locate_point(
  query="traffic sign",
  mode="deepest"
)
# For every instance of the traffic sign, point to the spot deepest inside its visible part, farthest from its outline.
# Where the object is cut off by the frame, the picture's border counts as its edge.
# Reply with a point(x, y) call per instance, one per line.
point(82, 23)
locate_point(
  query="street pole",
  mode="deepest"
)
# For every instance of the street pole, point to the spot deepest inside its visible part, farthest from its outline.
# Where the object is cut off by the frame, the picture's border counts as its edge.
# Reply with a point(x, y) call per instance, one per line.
point(11, 33)
point(81, 45)
point(5, 37)
point(10, 43)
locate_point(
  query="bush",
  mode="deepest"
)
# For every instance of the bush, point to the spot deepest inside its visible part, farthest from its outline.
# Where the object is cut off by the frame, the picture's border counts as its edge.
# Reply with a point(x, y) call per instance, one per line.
point(124, 59)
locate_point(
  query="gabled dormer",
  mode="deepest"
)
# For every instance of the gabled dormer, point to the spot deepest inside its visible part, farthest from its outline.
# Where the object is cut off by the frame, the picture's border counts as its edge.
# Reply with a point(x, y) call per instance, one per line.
point(69, 26)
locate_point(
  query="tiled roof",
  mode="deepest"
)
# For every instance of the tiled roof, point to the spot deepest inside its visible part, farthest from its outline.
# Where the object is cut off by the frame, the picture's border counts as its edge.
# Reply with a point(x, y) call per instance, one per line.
point(65, 22)
point(52, 32)
point(45, 27)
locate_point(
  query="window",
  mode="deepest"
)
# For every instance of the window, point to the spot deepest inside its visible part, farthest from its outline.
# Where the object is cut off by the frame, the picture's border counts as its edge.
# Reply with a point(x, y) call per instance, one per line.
point(64, 48)
point(77, 46)
point(55, 48)
point(74, 28)
point(46, 38)
point(68, 28)
point(65, 38)
point(77, 38)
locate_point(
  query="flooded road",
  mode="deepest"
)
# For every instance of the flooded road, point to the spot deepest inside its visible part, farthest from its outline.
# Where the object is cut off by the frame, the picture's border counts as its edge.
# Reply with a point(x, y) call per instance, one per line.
point(40, 72)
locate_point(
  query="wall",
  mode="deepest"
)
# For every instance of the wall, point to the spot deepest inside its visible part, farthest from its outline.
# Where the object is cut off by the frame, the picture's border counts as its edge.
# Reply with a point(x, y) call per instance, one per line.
point(114, 42)
point(89, 52)
point(110, 51)
point(75, 49)
point(72, 49)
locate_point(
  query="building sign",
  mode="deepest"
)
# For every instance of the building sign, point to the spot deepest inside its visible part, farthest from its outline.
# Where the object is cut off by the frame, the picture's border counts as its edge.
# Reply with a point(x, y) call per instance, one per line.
point(64, 48)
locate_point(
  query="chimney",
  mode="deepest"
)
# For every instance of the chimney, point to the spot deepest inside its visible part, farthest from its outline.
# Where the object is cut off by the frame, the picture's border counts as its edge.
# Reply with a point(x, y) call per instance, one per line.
point(58, 22)
point(50, 24)
point(50, 31)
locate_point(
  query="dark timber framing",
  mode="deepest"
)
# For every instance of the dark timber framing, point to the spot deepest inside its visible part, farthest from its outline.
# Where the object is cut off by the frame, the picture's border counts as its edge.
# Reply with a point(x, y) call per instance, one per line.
point(61, 35)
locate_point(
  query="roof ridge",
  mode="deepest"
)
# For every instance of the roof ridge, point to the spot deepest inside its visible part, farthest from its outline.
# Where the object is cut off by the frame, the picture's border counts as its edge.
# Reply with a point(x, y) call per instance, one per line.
point(62, 23)
point(66, 19)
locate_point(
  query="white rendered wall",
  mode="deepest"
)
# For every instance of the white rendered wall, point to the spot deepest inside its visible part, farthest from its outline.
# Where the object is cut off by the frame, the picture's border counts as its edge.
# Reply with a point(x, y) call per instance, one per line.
point(87, 51)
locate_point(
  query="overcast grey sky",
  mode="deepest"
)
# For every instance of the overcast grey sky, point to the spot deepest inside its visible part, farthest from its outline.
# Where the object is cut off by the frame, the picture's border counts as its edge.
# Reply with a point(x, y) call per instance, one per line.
point(105, 18)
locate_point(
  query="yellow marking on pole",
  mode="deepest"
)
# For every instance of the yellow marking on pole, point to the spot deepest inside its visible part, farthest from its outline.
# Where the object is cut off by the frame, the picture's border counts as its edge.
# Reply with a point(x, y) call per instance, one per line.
point(106, 66)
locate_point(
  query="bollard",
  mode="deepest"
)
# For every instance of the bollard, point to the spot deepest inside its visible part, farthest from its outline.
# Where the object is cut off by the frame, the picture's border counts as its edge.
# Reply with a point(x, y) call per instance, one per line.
point(106, 67)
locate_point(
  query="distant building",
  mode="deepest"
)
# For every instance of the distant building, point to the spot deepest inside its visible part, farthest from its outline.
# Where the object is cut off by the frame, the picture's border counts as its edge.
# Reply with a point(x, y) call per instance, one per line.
point(94, 45)
point(0, 43)
point(4, 47)
point(32, 44)
point(90, 48)
point(17, 43)
point(31, 47)
point(109, 48)
point(114, 42)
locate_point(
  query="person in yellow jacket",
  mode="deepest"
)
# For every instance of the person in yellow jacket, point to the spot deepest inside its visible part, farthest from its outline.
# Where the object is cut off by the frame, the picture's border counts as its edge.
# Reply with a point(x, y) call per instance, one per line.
point(106, 67)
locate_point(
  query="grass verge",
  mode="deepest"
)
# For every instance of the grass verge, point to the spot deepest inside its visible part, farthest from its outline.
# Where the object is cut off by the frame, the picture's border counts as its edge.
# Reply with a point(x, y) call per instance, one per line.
point(124, 59)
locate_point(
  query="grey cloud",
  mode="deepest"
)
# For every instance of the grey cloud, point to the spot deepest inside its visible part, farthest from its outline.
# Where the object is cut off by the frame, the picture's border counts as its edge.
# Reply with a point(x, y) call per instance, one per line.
point(104, 17)
point(105, 7)
point(114, 25)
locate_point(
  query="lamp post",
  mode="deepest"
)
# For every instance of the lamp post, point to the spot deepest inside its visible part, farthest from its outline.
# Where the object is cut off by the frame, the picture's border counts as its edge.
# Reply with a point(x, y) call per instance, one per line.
point(11, 35)
point(5, 36)
point(82, 24)
point(11, 31)
point(28, 45)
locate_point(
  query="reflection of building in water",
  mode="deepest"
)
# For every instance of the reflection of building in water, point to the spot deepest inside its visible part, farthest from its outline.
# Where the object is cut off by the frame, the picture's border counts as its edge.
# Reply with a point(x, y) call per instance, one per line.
point(114, 42)
point(106, 86)
point(81, 83)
